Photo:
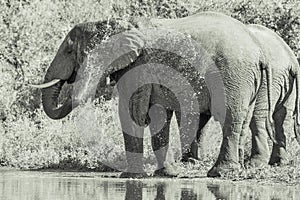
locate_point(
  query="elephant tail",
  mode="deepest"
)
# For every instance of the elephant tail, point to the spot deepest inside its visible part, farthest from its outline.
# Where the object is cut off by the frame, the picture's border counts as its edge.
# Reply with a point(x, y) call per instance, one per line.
point(297, 121)
point(269, 121)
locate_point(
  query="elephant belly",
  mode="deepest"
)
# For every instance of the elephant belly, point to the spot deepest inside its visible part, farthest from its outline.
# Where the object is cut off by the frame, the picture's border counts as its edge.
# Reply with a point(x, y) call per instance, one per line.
point(178, 102)
point(164, 97)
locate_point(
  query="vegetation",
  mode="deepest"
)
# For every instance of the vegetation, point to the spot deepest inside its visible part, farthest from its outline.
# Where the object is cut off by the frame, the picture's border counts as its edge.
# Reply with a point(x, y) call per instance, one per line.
point(31, 32)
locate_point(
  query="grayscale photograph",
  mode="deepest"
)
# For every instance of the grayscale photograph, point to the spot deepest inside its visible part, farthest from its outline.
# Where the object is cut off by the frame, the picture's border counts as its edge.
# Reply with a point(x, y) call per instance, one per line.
point(149, 99)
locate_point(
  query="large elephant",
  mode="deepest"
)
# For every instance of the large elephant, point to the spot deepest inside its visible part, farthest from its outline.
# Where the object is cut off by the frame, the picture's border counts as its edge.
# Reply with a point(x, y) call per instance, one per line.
point(230, 45)
point(285, 68)
point(285, 75)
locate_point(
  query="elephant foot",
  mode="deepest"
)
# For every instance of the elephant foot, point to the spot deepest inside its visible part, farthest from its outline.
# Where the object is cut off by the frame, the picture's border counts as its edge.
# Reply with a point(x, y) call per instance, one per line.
point(165, 172)
point(256, 163)
point(278, 157)
point(189, 158)
point(192, 161)
point(223, 170)
point(278, 161)
point(133, 175)
point(241, 157)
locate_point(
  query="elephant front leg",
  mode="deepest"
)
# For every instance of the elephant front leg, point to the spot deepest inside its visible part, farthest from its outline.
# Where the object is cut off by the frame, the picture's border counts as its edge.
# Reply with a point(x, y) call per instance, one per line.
point(133, 140)
point(134, 155)
point(160, 128)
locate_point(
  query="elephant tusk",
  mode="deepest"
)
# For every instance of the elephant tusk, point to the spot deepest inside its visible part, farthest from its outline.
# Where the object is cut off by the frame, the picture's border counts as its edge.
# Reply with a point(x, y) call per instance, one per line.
point(107, 80)
point(45, 85)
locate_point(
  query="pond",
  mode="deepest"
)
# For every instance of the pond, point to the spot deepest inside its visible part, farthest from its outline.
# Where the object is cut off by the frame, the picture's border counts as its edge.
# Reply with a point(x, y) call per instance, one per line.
point(25, 185)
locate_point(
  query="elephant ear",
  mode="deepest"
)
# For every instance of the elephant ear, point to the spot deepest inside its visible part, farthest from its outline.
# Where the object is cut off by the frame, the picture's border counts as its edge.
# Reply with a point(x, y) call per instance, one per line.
point(127, 47)
point(81, 39)
point(84, 31)
point(114, 53)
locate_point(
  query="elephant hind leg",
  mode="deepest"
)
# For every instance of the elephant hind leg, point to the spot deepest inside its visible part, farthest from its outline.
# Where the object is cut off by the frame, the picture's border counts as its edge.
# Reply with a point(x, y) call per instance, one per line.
point(260, 152)
point(192, 151)
point(260, 148)
point(188, 124)
point(228, 159)
point(245, 135)
point(283, 120)
point(243, 140)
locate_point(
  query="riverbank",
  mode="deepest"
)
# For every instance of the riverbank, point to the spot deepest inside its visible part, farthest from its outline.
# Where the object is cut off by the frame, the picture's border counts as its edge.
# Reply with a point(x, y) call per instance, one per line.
point(70, 185)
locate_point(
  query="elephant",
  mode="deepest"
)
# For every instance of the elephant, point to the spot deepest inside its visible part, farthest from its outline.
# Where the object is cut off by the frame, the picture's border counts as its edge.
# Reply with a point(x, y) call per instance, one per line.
point(228, 45)
point(285, 72)
point(285, 69)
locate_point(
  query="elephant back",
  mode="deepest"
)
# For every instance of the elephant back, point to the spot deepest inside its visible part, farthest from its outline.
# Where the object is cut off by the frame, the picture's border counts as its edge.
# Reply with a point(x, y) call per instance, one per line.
point(274, 47)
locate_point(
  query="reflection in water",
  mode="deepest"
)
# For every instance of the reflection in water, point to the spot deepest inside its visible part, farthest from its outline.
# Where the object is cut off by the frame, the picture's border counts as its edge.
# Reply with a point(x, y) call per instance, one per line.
point(42, 185)
point(160, 191)
point(134, 190)
point(188, 194)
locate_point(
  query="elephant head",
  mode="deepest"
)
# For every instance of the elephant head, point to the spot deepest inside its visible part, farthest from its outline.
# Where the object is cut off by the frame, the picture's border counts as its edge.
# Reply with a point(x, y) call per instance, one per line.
point(71, 59)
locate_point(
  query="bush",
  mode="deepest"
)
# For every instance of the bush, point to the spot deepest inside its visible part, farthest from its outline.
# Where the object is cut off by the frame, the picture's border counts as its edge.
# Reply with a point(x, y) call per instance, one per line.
point(281, 17)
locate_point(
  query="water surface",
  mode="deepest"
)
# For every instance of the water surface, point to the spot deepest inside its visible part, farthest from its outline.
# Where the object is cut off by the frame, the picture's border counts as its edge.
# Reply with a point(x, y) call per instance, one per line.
point(16, 185)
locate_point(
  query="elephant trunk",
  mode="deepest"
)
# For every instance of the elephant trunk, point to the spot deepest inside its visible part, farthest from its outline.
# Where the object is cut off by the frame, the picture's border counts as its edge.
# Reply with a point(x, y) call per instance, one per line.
point(50, 101)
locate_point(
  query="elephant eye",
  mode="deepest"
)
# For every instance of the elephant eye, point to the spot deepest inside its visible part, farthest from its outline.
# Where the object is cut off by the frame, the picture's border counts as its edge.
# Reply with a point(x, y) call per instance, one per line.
point(69, 50)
